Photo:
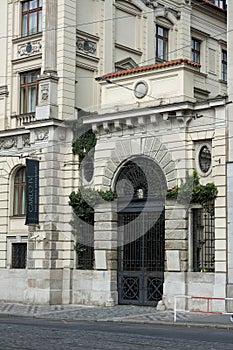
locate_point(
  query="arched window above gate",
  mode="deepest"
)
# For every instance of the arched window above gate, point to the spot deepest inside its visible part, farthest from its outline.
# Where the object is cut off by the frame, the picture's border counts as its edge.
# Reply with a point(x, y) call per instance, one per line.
point(140, 183)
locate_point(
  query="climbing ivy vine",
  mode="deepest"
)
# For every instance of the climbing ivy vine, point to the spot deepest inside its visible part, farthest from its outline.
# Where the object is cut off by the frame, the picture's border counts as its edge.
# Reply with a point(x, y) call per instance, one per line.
point(83, 201)
point(191, 190)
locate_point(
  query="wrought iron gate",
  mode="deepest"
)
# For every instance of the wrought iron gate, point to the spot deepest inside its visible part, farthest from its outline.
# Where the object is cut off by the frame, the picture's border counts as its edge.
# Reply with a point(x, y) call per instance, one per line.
point(141, 257)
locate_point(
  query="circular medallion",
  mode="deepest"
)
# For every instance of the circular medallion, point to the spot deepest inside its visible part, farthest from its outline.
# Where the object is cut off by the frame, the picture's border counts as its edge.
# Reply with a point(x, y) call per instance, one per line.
point(140, 89)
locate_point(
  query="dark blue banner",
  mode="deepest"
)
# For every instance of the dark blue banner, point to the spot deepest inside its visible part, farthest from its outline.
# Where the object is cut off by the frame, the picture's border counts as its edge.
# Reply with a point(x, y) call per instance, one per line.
point(32, 192)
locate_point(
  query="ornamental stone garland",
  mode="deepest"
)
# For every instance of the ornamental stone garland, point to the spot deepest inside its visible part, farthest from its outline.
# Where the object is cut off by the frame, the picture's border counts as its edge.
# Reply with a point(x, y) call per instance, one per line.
point(30, 48)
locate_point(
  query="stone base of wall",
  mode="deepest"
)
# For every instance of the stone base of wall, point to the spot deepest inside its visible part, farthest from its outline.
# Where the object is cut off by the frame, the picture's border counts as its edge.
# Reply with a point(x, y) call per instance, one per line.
point(230, 295)
point(60, 286)
point(95, 287)
point(198, 284)
point(31, 286)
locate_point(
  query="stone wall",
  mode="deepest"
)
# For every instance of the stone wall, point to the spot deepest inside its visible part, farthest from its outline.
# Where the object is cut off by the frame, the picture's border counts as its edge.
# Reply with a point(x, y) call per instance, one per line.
point(91, 287)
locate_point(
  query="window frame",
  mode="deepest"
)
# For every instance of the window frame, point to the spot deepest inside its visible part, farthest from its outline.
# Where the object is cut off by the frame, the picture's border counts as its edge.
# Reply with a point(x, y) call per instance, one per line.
point(19, 209)
point(164, 39)
point(195, 51)
point(199, 146)
point(28, 13)
point(224, 65)
point(84, 245)
point(25, 107)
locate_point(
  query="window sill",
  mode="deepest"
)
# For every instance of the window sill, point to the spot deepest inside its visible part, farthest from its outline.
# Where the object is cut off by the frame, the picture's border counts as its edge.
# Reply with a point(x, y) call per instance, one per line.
point(223, 81)
point(27, 38)
point(205, 75)
point(18, 216)
point(159, 60)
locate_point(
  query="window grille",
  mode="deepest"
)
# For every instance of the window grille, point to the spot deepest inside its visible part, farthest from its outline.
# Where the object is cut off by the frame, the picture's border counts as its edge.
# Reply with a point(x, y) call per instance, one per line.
point(203, 240)
point(85, 245)
point(19, 255)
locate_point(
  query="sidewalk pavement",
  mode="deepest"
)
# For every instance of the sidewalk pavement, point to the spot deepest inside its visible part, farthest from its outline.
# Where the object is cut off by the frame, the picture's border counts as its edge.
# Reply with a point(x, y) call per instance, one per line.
point(119, 313)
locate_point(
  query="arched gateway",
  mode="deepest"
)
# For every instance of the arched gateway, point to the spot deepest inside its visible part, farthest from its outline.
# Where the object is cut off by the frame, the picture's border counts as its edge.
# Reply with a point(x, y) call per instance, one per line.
point(141, 188)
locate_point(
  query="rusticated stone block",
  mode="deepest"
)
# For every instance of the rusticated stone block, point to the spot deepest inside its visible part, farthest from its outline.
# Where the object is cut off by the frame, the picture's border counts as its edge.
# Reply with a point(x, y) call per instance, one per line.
point(176, 245)
point(176, 234)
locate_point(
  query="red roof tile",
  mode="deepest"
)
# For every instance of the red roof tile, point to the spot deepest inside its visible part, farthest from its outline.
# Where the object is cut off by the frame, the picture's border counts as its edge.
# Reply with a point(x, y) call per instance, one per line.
point(148, 68)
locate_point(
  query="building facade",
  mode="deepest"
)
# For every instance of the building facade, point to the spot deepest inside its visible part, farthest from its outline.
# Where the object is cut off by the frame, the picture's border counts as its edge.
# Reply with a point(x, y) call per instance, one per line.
point(151, 79)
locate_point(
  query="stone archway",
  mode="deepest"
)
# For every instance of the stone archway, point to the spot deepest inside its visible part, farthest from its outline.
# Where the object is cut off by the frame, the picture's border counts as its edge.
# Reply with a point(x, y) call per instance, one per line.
point(120, 151)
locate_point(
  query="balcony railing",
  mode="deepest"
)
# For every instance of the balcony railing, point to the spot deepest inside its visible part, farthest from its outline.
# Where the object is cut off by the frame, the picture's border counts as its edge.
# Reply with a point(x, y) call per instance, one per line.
point(22, 119)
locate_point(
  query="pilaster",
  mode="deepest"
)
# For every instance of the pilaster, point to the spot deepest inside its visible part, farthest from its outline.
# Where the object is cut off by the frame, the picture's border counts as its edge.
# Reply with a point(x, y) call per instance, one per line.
point(50, 247)
point(50, 37)
point(105, 244)
point(48, 81)
point(47, 99)
point(3, 64)
point(184, 33)
point(230, 154)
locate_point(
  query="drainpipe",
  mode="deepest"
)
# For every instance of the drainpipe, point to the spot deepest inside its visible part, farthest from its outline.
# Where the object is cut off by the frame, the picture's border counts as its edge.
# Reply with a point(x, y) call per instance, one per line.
point(230, 155)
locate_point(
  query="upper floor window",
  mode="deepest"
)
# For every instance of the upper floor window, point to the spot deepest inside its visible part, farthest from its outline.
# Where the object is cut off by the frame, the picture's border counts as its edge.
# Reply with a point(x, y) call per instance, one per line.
point(31, 17)
point(19, 202)
point(28, 91)
point(161, 43)
point(196, 50)
point(220, 3)
point(224, 65)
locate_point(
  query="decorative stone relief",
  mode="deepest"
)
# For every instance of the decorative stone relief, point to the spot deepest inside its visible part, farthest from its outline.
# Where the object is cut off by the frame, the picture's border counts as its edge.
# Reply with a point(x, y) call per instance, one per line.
point(26, 141)
point(150, 3)
point(44, 92)
point(62, 135)
point(42, 134)
point(19, 142)
point(29, 48)
point(167, 12)
point(4, 90)
point(8, 143)
point(86, 46)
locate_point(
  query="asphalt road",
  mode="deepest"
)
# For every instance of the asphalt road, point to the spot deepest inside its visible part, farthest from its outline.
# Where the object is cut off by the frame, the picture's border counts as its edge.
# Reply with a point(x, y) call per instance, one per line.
point(21, 333)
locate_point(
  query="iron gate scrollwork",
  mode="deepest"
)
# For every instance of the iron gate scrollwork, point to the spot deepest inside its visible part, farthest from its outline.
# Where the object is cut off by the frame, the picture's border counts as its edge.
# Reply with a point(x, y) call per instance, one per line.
point(141, 189)
point(141, 261)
